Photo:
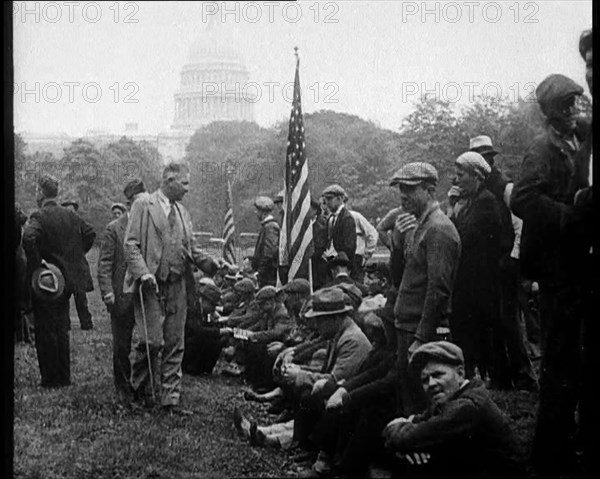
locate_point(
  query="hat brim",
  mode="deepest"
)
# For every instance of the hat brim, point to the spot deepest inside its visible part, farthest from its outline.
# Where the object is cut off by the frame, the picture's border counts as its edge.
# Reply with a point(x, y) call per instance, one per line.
point(485, 150)
point(311, 313)
point(415, 182)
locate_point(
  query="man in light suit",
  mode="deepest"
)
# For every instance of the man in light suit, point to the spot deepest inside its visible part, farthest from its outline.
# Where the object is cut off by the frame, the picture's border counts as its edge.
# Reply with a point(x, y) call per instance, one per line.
point(159, 250)
point(111, 273)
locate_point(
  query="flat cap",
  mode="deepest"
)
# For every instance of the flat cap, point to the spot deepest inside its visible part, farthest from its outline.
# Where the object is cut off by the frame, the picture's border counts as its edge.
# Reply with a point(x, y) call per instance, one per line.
point(439, 351)
point(210, 292)
point(133, 188)
point(585, 42)
point(334, 190)
point(482, 144)
point(119, 206)
point(413, 174)
point(474, 162)
point(48, 185)
point(341, 259)
point(263, 203)
point(70, 202)
point(297, 286)
point(244, 286)
point(266, 293)
point(555, 88)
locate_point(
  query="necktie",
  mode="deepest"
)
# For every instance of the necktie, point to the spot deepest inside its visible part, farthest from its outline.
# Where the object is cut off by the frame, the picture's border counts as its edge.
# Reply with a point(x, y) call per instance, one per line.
point(173, 215)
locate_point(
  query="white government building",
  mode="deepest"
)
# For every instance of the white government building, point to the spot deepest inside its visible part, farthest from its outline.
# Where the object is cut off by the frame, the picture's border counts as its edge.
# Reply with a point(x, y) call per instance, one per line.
point(211, 88)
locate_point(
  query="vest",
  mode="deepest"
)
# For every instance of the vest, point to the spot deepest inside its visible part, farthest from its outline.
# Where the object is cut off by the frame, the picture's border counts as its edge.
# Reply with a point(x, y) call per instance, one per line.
point(172, 260)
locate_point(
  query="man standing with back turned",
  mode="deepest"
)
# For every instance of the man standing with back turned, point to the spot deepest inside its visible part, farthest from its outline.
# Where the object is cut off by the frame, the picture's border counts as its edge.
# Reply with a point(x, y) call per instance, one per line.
point(159, 250)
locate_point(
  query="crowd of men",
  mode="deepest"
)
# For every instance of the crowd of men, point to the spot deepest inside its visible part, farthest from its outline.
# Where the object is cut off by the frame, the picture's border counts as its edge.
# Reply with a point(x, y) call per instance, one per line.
point(370, 361)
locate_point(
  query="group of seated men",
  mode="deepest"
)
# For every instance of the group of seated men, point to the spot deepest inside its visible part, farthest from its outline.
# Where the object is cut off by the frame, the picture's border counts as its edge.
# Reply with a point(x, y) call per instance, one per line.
point(323, 361)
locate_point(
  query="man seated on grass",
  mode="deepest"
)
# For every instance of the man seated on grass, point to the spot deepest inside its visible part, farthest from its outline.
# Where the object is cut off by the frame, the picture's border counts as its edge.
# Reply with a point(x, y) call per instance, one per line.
point(347, 348)
point(463, 433)
point(204, 336)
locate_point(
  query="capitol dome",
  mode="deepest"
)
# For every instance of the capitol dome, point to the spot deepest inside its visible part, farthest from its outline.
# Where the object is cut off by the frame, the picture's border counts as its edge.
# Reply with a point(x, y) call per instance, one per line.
point(214, 84)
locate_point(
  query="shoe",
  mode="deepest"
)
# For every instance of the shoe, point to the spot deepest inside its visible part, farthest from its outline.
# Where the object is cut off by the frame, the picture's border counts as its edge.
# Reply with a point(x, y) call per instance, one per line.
point(237, 421)
point(322, 465)
point(233, 369)
point(256, 439)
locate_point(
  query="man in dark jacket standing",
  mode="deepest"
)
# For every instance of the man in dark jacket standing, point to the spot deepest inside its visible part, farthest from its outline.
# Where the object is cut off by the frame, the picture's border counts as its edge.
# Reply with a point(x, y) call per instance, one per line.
point(544, 199)
point(111, 274)
point(423, 304)
point(341, 227)
point(58, 236)
point(266, 251)
point(518, 371)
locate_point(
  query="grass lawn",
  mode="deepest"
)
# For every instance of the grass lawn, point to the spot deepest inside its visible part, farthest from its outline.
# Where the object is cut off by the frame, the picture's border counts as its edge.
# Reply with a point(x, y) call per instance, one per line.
point(79, 432)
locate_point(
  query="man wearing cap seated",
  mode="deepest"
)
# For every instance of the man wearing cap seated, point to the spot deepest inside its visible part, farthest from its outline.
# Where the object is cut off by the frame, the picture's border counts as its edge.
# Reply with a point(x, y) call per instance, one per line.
point(111, 274)
point(555, 254)
point(266, 251)
point(462, 433)
point(59, 237)
point(432, 252)
point(204, 338)
point(274, 324)
point(341, 226)
point(348, 347)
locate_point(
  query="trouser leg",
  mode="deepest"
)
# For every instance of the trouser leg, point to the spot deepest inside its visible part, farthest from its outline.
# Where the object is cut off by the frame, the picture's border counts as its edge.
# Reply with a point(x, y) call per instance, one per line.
point(172, 356)
point(122, 323)
point(559, 381)
point(411, 393)
point(151, 335)
point(83, 312)
point(52, 341)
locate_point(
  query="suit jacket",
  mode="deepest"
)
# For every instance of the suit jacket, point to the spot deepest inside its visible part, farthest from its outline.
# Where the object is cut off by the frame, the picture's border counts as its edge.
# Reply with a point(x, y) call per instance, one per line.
point(543, 199)
point(345, 354)
point(343, 234)
point(266, 253)
point(61, 237)
point(112, 264)
point(144, 241)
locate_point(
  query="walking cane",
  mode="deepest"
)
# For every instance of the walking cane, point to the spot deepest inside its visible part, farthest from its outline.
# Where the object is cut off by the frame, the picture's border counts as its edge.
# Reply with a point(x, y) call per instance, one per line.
point(147, 345)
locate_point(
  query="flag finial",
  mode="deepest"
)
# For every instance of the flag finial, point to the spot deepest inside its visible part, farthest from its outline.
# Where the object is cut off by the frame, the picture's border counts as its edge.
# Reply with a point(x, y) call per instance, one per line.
point(296, 51)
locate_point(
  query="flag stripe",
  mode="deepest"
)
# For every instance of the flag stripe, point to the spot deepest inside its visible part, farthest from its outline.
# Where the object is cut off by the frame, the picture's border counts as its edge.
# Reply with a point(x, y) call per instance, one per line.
point(228, 228)
point(296, 234)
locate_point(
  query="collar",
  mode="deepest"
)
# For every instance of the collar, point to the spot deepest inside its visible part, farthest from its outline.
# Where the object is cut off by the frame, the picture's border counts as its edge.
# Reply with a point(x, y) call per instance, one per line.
point(163, 198)
point(571, 143)
point(267, 219)
point(430, 209)
point(342, 275)
point(339, 210)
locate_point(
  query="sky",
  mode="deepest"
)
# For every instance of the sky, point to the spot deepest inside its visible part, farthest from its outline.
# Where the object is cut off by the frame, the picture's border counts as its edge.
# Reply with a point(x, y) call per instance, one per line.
point(81, 66)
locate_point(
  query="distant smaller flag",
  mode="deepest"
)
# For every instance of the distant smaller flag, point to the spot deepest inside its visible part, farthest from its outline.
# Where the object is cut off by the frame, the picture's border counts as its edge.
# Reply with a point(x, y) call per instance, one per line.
point(229, 226)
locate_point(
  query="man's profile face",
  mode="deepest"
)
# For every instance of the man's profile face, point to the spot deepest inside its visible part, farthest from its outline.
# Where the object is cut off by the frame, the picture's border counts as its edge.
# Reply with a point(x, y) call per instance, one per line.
point(466, 180)
point(441, 381)
point(373, 282)
point(414, 198)
point(588, 69)
point(565, 112)
point(176, 186)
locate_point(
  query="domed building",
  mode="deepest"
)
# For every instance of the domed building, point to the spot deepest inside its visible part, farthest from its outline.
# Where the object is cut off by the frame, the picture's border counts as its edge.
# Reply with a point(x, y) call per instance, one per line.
point(214, 84)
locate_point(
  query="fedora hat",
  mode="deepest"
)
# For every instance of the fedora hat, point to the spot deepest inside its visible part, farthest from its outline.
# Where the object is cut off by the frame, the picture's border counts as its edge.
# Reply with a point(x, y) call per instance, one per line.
point(326, 302)
point(48, 282)
point(482, 144)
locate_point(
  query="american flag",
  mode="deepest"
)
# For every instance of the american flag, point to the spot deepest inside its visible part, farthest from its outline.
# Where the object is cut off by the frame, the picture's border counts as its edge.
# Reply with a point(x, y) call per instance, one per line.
point(228, 226)
point(295, 241)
